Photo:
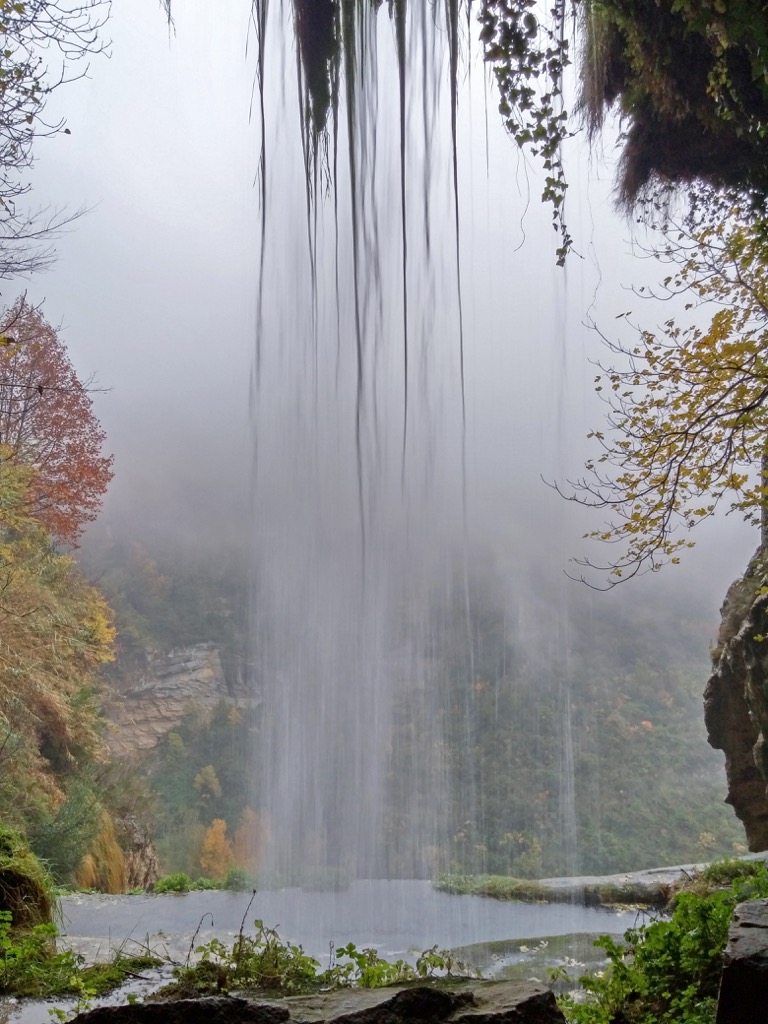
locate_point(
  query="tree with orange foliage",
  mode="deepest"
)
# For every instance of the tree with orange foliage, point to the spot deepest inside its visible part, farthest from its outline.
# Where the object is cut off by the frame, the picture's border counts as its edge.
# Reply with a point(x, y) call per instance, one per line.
point(217, 857)
point(47, 422)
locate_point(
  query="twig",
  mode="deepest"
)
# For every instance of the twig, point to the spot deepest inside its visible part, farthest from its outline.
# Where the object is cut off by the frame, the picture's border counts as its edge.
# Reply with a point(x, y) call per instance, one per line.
point(240, 935)
point(194, 937)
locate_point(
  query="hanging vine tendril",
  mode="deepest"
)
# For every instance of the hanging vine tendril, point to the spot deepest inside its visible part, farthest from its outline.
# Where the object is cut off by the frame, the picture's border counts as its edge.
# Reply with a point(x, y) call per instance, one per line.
point(529, 57)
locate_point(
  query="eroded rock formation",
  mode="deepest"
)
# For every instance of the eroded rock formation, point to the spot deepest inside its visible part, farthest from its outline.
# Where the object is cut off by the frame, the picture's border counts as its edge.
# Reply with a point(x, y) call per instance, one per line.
point(736, 700)
point(141, 868)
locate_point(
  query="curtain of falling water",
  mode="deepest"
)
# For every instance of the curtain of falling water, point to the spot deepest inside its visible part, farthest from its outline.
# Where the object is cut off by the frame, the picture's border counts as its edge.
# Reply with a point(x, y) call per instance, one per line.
point(364, 506)
point(351, 526)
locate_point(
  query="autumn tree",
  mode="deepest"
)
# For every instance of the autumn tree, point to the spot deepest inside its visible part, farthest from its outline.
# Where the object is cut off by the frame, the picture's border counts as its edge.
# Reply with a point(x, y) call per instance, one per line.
point(207, 783)
point(55, 634)
point(217, 857)
point(687, 428)
point(56, 631)
point(47, 422)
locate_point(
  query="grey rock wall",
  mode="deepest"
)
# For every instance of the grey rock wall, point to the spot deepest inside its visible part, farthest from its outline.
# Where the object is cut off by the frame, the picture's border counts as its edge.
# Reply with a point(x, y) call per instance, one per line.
point(170, 686)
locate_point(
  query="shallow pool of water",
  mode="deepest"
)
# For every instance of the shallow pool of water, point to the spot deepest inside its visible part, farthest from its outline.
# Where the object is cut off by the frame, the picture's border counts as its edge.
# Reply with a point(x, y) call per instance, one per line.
point(397, 918)
point(394, 917)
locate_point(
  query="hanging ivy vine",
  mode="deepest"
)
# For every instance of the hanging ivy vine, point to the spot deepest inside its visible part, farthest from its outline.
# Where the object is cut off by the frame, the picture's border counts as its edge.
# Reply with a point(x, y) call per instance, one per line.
point(688, 79)
point(529, 56)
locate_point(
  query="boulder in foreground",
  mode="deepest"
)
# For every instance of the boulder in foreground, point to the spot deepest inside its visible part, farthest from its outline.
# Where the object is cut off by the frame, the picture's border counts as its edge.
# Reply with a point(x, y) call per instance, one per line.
point(484, 1003)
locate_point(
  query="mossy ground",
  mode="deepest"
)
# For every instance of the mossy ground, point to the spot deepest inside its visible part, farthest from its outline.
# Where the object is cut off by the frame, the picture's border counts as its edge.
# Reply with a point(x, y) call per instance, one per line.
point(105, 977)
point(607, 894)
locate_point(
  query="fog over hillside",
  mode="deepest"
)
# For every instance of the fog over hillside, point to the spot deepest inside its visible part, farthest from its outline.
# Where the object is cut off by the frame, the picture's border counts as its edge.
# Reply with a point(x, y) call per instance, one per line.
point(156, 290)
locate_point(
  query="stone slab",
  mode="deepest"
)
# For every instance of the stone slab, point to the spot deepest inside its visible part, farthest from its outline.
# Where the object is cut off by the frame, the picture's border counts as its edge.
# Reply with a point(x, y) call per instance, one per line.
point(482, 1003)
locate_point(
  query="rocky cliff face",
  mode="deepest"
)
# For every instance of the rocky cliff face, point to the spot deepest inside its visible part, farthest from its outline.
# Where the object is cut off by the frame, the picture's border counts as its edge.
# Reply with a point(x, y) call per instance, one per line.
point(168, 686)
point(736, 700)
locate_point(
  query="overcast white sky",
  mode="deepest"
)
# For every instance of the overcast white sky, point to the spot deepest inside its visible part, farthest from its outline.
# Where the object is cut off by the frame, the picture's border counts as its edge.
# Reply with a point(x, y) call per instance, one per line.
point(156, 284)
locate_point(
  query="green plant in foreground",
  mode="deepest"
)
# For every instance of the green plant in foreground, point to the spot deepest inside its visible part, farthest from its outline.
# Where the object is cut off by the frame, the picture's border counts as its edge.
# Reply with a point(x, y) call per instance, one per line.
point(30, 965)
point(436, 962)
point(261, 961)
point(265, 962)
point(364, 967)
point(666, 972)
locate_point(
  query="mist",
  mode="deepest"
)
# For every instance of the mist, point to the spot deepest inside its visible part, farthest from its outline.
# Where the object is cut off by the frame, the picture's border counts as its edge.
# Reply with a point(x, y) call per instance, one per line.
point(239, 425)
point(155, 285)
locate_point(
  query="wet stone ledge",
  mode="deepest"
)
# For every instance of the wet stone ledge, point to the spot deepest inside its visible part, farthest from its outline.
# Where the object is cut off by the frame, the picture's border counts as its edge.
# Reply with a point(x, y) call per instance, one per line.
point(483, 1003)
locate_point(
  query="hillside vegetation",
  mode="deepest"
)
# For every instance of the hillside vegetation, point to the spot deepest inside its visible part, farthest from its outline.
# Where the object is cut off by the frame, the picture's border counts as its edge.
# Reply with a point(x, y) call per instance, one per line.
point(577, 746)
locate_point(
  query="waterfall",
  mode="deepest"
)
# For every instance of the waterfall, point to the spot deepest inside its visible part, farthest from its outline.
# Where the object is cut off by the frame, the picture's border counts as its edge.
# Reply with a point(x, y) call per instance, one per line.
point(384, 446)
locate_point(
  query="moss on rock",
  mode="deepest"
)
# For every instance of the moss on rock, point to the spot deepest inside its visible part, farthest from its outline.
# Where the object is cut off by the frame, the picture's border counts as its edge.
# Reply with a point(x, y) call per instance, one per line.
point(26, 888)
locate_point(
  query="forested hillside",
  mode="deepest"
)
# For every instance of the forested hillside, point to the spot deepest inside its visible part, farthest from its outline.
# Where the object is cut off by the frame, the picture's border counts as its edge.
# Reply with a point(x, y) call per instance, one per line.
point(166, 596)
point(578, 746)
point(586, 747)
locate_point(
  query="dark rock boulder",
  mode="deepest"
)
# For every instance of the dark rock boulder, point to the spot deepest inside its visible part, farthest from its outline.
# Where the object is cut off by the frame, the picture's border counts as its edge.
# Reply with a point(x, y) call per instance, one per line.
point(744, 982)
point(511, 1003)
point(211, 1010)
point(414, 1004)
point(484, 1003)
